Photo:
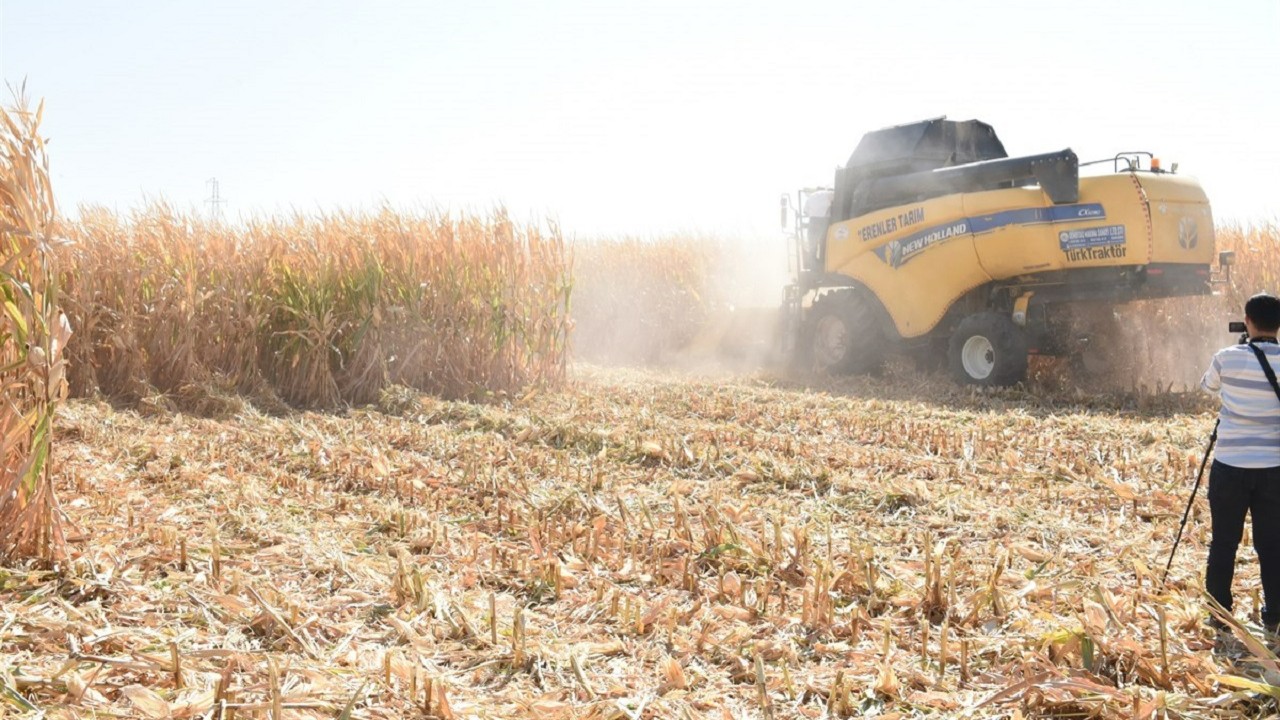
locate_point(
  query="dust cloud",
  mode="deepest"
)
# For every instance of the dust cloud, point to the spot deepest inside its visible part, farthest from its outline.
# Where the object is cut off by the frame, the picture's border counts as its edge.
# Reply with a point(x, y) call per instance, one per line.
point(1171, 342)
point(692, 302)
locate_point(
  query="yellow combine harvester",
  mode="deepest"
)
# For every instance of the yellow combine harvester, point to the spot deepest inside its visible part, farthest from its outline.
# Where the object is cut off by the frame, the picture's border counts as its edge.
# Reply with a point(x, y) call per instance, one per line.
point(934, 241)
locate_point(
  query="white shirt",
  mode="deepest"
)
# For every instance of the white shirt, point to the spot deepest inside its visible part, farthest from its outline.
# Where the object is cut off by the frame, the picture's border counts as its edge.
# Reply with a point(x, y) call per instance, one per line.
point(818, 205)
point(1249, 433)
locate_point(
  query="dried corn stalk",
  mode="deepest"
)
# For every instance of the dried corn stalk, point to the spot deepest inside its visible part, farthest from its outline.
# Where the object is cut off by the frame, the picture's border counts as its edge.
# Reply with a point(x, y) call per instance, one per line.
point(32, 334)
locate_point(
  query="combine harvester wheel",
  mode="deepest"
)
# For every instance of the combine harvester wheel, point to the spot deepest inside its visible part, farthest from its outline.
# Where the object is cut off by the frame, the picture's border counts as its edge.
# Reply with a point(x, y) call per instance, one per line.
point(844, 336)
point(988, 349)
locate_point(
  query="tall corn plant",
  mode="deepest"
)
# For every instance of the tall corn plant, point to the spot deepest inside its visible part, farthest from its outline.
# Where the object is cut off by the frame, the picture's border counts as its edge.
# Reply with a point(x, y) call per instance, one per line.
point(318, 311)
point(33, 333)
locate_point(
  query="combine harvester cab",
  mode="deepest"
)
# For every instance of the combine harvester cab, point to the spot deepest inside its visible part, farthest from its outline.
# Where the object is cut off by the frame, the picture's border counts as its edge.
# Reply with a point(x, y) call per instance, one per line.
point(938, 243)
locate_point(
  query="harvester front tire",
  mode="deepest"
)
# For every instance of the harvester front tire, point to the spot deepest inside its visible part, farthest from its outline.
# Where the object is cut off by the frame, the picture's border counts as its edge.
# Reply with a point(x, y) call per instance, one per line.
point(843, 334)
point(988, 349)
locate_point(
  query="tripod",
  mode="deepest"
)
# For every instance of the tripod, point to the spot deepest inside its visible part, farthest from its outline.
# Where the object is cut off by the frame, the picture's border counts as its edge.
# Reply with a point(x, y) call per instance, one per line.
point(1213, 439)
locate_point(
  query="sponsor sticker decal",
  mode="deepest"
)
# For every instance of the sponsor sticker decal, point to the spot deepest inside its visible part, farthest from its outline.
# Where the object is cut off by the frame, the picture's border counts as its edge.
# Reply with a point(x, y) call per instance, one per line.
point(1098, 243)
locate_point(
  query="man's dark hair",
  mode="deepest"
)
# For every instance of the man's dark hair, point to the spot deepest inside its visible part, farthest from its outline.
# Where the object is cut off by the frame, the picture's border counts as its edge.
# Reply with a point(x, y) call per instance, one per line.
point(1264, 310)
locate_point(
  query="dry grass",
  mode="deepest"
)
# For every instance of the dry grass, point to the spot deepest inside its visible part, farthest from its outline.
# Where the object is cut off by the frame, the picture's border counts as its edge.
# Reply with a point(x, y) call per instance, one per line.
point(33, 333)
point(317, 312)
point(635, 546)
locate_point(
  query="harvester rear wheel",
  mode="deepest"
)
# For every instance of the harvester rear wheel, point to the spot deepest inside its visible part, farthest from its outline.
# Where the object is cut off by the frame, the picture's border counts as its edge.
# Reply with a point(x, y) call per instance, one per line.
point(988, 349)
point(843, 333)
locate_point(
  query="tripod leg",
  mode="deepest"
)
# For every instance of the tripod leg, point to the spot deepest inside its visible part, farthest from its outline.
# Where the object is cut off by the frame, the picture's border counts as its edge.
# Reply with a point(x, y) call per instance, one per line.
point(1213, 439)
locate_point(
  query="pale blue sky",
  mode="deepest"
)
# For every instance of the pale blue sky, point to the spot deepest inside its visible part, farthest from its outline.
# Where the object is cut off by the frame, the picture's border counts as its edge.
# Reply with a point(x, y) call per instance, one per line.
point(621, 117)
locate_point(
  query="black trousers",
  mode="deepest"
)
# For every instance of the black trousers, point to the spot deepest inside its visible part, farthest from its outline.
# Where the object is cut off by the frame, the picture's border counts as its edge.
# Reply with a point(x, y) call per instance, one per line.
point(1233, 492)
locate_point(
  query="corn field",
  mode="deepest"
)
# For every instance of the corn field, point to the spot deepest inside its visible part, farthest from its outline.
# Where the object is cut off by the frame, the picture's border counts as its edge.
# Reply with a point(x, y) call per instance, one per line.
point(312, 312)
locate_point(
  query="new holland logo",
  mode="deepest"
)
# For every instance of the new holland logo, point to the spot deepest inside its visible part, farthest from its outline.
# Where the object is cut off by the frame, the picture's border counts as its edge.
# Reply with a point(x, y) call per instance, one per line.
point(1188, 235)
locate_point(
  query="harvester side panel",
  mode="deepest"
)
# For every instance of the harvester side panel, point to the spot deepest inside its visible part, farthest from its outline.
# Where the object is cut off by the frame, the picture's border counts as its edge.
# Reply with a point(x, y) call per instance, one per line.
point(917, 259)
point(1018, 233)
point(1006, 243)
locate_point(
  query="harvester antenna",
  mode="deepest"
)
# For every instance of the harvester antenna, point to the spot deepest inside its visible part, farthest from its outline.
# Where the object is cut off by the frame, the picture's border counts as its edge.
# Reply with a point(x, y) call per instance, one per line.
point(215, 200)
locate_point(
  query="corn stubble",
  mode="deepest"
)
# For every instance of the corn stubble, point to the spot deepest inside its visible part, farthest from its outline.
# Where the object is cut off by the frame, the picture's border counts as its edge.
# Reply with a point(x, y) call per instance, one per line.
point(316, 312)
point(634, 545)
point(33, 333)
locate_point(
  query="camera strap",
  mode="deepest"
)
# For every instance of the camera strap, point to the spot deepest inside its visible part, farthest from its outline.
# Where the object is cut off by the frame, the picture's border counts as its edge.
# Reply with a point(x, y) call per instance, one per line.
point(1266, 368)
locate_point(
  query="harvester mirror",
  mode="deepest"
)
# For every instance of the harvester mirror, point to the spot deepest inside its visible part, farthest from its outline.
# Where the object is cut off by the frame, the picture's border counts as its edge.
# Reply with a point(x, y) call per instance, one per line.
point(785, 203)
point(1226, 258)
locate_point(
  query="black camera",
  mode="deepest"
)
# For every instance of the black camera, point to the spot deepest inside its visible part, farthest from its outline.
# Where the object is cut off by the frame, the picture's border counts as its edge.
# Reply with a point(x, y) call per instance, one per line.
point(1238, 327)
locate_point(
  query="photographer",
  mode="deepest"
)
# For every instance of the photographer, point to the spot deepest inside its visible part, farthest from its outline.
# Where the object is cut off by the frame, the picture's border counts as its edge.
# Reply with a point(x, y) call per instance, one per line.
point(1245, 477)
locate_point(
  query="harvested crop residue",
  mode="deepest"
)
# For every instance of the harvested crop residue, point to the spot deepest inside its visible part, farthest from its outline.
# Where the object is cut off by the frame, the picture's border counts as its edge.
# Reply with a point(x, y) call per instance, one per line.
point(639, 545)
